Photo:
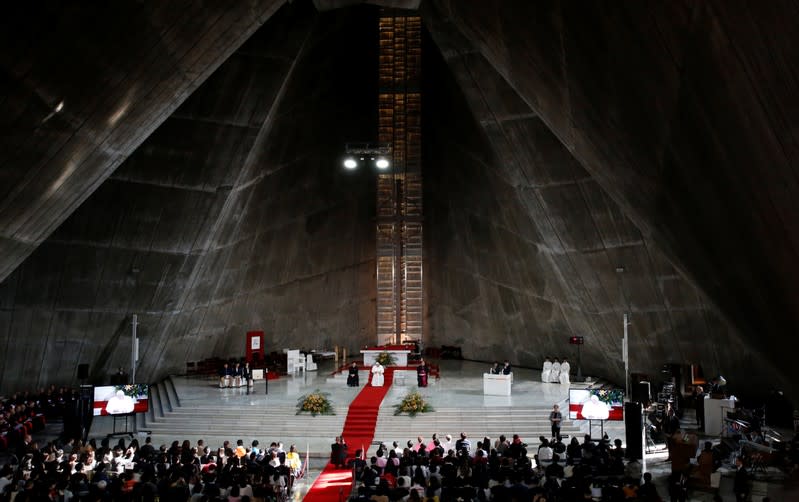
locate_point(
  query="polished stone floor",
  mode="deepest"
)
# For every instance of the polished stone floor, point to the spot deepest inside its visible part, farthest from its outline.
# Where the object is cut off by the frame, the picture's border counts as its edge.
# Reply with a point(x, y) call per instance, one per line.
point(460, 380)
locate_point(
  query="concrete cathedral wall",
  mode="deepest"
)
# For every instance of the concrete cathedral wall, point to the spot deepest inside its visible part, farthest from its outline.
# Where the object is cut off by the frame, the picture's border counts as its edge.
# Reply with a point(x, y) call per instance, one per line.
point(563, 140)
point(680, 113)
point(524, 244)
point(234, 215)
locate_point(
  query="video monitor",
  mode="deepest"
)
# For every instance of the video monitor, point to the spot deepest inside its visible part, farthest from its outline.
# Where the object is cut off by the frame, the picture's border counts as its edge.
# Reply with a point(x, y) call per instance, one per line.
point(596, 404)
point(121, 399)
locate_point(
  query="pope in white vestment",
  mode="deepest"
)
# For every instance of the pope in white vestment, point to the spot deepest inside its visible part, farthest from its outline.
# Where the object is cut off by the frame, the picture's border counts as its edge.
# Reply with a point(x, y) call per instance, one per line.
point(594, 409)
point(546, 370)
point(554, 375)
point(377, 374)
point(120, 404)
point(565, 367)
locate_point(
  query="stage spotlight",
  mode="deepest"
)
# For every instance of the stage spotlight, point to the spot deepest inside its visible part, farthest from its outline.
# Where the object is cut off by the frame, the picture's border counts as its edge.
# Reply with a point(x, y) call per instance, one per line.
point(382, 163)
point(350, 163)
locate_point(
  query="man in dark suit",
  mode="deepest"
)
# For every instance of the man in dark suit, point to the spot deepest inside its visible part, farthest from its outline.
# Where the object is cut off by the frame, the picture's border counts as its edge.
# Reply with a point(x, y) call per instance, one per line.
point(740, 486)
point(120, 377)
point(338, 452)
point(507, 369)
point(699, 405)
point(147, 451)
point(463, 444)
point(246, 376)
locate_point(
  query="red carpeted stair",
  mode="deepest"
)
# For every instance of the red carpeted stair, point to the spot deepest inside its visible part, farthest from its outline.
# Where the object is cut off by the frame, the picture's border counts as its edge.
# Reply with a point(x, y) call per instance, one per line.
point(359, 430)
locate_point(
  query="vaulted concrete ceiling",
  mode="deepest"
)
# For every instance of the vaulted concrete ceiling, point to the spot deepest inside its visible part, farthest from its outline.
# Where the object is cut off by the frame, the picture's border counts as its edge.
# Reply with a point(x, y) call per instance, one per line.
point(564, 141)
point(83, 85)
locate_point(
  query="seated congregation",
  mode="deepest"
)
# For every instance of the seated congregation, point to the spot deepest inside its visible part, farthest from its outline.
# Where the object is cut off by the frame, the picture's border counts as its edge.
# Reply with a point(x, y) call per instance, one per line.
point(24, 413)
point(443, 470)
point(181, 472)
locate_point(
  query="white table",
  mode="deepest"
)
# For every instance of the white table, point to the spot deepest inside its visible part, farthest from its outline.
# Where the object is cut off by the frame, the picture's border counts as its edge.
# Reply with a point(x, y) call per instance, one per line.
point(400, 356)
point(497, 385)
point(294, 361)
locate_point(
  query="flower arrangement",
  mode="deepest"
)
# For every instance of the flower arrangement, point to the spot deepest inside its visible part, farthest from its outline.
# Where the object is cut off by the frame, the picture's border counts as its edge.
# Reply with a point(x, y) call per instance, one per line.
point(611, 397)
point(386, 359)
point(412, 404)
point(134, 390)
point(315, 403)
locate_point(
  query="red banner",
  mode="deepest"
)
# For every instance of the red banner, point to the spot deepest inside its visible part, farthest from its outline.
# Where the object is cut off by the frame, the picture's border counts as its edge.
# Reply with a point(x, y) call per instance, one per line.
point(255, 347)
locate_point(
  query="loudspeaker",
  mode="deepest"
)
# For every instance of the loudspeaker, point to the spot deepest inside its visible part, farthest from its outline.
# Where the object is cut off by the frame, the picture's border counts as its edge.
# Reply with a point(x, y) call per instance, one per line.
point(642, 392)
point(633, 423)
point(83, 371)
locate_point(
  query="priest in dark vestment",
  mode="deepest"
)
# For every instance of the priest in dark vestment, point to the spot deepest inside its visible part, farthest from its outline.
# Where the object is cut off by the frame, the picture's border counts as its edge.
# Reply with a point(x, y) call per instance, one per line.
point(422, 372)
point(352, 376)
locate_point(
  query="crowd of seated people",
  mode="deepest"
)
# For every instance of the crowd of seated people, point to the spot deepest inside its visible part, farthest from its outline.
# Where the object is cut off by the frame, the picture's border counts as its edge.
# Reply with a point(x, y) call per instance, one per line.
point(235, 374)
point(133, 472)
point(500, 470)
point(26, 412)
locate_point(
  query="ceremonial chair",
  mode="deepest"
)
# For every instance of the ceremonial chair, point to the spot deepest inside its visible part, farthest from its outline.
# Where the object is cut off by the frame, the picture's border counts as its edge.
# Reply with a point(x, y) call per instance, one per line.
point(310, 365)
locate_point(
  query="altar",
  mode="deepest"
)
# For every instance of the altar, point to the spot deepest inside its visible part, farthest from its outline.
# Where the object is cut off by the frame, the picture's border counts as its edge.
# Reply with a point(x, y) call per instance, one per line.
point(398, 352)
point(715, 410)
point(497, 385)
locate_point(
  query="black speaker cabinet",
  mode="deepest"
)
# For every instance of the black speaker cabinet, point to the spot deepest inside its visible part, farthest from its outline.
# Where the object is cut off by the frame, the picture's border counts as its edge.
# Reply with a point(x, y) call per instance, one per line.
point(83, 371)
point(642, 392)
point(634, 428)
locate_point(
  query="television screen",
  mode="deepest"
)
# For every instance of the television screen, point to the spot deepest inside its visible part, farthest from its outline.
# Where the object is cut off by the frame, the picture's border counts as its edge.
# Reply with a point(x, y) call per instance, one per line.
point(121, 399)
point(596, 404)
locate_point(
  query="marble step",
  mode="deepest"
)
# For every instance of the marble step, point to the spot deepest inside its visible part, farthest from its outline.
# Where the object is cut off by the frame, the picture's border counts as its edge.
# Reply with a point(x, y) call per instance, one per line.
point(171, 392)
point(327, 425)
point(386, 417)
point(163, 394)
point(532, 413)
point(171, 417)
point(266, 415)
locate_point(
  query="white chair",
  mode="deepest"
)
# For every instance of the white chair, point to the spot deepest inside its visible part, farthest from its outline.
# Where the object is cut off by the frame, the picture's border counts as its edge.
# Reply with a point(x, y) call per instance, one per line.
point(310, 365)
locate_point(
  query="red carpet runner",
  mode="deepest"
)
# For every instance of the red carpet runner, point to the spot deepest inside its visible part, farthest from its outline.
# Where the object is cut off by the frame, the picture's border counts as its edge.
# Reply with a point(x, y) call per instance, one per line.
point(359, 430)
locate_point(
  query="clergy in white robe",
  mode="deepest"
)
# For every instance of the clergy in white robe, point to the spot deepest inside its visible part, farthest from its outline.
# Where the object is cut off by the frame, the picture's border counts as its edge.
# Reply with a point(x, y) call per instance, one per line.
point(546, 370)
point(554, 375)
point(377, 374)
point(565, 367)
